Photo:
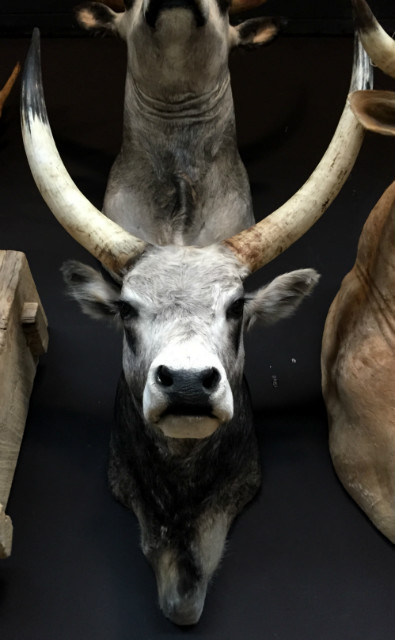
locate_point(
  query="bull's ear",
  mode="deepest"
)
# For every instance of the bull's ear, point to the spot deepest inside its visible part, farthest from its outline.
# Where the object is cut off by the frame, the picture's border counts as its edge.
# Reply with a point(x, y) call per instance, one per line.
point(280, 298)
point(96, 296)
point(97, 17)
point(375, 110)
point(256, 31)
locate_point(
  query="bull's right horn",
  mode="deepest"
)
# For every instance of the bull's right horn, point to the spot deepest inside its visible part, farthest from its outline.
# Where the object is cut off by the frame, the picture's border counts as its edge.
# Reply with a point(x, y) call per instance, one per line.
point(379, 46)
point(258, 245)
point(103, 238)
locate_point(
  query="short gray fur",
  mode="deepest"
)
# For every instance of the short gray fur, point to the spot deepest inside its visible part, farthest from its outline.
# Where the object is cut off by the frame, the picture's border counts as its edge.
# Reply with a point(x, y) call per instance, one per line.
point(178, 172)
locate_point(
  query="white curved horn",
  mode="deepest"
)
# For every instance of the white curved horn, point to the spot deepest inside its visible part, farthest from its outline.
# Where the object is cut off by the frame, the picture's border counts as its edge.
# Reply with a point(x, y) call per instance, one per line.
point(103, 238)
point(258, 245)
point(377, 43)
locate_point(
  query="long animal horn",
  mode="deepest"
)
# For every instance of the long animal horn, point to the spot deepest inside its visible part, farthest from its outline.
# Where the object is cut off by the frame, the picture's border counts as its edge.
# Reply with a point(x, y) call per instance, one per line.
point(378, 44)
point(102, 237)
point(263, 242)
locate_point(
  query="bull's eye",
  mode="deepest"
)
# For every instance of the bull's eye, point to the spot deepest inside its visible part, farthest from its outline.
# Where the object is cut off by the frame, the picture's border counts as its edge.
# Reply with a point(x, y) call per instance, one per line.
point(126, 310)
point(235, 310)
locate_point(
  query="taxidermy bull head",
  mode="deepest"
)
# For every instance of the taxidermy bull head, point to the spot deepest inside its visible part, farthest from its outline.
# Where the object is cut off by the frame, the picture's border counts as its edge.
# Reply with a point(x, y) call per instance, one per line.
point(183, 454)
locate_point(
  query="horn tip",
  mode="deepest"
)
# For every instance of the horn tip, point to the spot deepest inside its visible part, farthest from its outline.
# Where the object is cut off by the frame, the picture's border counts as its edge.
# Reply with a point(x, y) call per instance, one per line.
point(363, 16)
point(36, 34)
point(362, 72)
point(32, 100)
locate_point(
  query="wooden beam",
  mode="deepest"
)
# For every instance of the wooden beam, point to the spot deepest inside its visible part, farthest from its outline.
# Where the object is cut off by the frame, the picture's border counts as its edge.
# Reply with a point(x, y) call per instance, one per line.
point(23, 337)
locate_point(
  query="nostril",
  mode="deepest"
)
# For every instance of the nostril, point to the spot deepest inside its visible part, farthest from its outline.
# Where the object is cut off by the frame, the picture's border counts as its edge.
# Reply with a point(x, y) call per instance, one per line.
point(164, 376)
point(210, 379)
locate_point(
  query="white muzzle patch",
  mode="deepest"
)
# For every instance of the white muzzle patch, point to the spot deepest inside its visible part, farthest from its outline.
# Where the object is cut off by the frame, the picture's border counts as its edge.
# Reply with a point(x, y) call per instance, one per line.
point(193, 357)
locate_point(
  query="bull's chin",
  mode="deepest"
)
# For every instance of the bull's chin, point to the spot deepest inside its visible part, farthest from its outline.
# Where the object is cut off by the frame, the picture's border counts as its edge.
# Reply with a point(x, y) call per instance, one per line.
point(197, 427)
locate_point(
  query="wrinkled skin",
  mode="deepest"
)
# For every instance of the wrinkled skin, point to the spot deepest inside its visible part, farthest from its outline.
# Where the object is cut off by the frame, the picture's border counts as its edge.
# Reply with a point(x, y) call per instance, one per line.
point(358, 373)
point(358, 347)
point(179, 137)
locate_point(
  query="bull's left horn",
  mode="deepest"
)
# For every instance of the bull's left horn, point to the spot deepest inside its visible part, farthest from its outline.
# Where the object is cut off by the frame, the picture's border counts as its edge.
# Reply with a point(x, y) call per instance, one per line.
point(377, 43)
point(102, 237)
point(263, 242)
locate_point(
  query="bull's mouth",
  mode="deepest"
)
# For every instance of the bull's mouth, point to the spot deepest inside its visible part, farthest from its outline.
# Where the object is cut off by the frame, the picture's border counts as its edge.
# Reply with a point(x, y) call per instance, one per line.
point(183, 421)
point(156, 7)
point(190, 410)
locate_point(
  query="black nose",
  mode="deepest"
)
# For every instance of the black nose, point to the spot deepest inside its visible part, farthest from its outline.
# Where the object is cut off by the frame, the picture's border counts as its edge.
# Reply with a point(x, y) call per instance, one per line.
point(188, 386)
point(210, 379)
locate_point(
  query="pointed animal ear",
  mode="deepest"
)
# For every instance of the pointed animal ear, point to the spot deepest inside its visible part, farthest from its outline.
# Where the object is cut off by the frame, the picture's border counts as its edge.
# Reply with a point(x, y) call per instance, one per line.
point(96, 296)
point(375, 110)
point(280, 298)
point(97, 17)
point(256, 31)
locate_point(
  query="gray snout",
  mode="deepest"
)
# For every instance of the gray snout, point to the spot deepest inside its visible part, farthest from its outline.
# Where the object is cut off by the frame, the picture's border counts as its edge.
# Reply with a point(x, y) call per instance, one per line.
point(188, 388)
point(186, 610)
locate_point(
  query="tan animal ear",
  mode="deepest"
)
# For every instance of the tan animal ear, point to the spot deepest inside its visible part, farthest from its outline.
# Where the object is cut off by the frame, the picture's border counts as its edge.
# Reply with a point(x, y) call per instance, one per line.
point(96, 16)
point(256, 31)
point(375, 110)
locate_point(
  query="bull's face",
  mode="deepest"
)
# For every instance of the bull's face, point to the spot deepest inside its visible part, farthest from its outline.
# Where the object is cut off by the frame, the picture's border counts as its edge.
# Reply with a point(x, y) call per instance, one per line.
point(177, 45)
point(183, 349)
point(183, 312)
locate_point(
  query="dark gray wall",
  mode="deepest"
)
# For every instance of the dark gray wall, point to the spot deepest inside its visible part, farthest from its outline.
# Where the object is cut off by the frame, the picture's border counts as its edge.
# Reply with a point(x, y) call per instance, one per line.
point(305, 16)
point(303, 563)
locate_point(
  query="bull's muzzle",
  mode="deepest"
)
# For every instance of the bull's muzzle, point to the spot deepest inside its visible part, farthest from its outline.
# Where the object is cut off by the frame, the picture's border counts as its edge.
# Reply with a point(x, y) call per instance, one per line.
point(187, 393)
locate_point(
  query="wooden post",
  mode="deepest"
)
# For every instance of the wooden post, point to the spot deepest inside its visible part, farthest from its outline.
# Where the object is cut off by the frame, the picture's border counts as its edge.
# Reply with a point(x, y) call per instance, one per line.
point(23, 338)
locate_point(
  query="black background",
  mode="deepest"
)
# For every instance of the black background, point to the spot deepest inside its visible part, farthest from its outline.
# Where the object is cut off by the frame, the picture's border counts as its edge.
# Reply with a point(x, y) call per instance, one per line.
point(305, 16)
point(303, 562)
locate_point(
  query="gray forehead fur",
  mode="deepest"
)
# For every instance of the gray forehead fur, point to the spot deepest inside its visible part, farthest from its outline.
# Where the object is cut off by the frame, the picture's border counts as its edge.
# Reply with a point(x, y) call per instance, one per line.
point(171, 275)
